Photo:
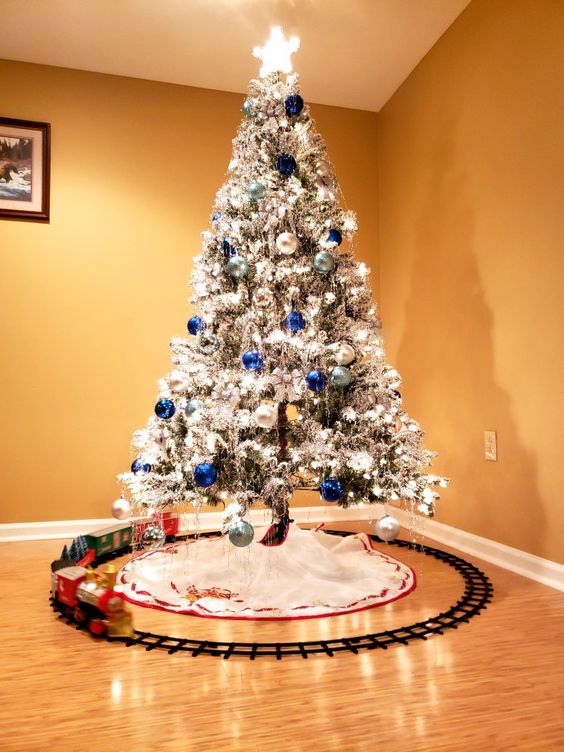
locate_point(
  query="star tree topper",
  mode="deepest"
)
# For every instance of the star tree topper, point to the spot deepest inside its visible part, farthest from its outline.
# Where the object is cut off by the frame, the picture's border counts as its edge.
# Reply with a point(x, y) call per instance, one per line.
point(276, 55)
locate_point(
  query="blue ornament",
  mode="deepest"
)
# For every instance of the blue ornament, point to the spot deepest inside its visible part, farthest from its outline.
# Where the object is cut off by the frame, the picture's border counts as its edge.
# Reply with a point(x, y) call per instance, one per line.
point(323, 262)
point(294, 104)
point(228, 249)
point(138, 467)
point(294, 321)
point(341, 377)
point(215, 216)
point(237, 267)
point(256, 191)
point(331, 489)
point(252, 360)
point(192, 406)
point(205, 475)
point(334, 236)
point(316, 380)
point(165, 409)
point(249, 108)
point(241, 533)
point(196, 325)
point(285, 164)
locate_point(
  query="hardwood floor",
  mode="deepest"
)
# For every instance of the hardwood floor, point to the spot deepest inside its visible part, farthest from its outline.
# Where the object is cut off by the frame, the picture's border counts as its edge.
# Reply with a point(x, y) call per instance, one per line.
point(494, 684)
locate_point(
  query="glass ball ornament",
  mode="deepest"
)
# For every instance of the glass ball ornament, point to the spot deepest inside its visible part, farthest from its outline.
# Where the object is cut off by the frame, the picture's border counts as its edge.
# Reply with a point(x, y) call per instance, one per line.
point(316, 380)
point(153, 536)
point(294, 322)
point(205, 475)
point(334, 236)
point(256, 191)
point(266, 416)
point(331, 489)
point(215, 216)
point(324, 189)
point(177, 381)
point(138, 467)
point(293, 104)
point(121, 509)
point(286, 164)
point(228, 249)
point(241, 533)
point(264, 297)
point(387, 528)
point(237, 267)
point(323, 262)
point(195, 325)
point(287, 243)
point(252, 360)
point(249, 108)
point(165, 409)
point(208, 344)
point(323, 168)
point(344, 354)
point(341, 377)
point(193, 406)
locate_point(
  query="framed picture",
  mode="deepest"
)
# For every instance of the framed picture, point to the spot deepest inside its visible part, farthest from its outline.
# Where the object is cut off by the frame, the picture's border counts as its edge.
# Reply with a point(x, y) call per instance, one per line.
point(24, 169)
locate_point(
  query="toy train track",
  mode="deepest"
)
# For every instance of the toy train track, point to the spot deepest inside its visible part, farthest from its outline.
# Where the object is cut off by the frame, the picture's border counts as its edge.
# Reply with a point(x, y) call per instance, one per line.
point(478, 592)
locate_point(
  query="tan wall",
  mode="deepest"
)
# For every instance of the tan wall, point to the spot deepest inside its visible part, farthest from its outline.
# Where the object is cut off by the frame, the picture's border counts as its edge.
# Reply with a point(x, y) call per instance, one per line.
point(472, 226)
point(90, 301)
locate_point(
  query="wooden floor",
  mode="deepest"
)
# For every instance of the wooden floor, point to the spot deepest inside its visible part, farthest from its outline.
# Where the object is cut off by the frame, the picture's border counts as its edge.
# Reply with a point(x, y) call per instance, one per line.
point(493, 684)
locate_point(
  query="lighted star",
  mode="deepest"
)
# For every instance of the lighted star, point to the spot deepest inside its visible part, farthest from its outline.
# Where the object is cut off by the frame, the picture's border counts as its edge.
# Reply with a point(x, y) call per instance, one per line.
point(276, 55)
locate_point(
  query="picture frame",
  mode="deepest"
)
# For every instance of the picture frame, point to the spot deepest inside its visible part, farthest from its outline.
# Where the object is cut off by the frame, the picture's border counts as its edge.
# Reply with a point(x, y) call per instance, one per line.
point(25, 161)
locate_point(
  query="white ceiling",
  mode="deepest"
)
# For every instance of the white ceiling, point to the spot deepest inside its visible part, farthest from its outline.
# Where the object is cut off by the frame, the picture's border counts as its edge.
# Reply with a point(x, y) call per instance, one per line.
point(354, 53)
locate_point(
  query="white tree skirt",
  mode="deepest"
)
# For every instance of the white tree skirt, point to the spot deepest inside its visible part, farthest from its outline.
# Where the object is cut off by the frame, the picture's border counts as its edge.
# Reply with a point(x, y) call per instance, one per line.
point(311, 574)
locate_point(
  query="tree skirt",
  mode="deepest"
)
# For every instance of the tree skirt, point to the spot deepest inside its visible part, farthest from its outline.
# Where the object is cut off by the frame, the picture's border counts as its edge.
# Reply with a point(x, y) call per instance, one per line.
point(311, 574)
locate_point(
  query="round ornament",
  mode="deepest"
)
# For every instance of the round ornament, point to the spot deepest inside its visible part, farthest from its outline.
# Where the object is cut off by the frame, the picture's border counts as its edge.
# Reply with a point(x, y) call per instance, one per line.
point(331, 489)
point(266, 416)
point(196, 325)
point(215, 216)
point(287, 243)
point(241, 533)
point(205, 475)
point(341, 377)
point(256, 191)
point(293, 104)
point(264, 297)
point(334, 236)
point(237, 267)
point(153, 537)
point(252, 360)
point(323, 168)
point(193, 406)
point(208, 343)
point(323, 262)
point(387, 528)
point(177, 381)
point(285, 164)
point(345, 354)
point(228, 249)
point(316, 380)
point(138, 467)
point(165, 409)
point(248, 108)
point(324, 190)
point(121, 509)
point(294, 322)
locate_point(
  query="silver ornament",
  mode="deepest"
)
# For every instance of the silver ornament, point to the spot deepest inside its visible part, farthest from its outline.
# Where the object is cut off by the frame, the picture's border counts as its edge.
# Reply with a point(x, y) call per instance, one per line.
point(177, 381)
point(323, 262)
point(237, 267)
point(287, 243)
point(340, 377)
point(345, 354)
point(241, 533)
point(323, 168)
point(208, 343)
point(256, 191)
point(387, 528)
point(121, 509)
point(193, 406)
point(248, 108)
point(153, 536)
point(324, 190)
point(265, 416)
point(264, 297)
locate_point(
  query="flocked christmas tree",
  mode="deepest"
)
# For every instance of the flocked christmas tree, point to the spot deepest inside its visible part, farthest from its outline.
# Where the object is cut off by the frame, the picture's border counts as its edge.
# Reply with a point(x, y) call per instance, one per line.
point(281, 381)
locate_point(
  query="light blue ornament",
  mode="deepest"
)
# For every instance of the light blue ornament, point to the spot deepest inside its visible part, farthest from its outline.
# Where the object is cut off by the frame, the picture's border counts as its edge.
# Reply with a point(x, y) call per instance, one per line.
point(248, 108)
point(241, 533)
point(193, 406)
point(237, 267)
point(341, 377)
point(256, 191)
point(323, 262)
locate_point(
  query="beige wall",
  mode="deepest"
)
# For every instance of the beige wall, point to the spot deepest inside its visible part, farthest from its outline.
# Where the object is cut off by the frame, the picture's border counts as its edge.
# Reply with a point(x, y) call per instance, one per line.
point(472, 226)
point(90, 301)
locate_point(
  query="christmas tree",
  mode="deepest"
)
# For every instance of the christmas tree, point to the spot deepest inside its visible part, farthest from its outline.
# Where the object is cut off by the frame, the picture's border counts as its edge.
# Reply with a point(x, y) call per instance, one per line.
point(281, 382)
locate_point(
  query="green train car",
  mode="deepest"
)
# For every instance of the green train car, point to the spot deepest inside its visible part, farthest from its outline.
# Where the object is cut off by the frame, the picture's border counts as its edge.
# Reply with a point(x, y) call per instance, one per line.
point(109, 539)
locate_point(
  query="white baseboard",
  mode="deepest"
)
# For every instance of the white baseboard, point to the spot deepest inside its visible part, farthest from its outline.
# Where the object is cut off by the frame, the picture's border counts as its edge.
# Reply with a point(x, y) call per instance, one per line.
point(534, 567)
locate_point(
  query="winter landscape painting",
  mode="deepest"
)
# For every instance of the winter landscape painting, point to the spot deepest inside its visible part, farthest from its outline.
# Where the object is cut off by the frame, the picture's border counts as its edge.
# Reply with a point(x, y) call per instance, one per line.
point(24, 169)
point(15, 167)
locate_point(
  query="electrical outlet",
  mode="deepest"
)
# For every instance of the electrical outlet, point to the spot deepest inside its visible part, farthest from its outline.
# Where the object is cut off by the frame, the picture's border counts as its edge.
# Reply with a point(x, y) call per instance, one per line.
point(490, 445)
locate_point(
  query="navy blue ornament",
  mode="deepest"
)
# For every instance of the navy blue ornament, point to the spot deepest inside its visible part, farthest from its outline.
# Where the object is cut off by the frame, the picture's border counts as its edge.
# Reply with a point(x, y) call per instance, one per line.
point(294, 321)
point(334, 236)
point(294, 104)
point(138, 467)
point(241, 533)
point(316, 380)
point(215, 216)
point(331, 489)
point(228, 249)
point(285, 164)
point(196, 325)
point(165, 409)
point(205, 475)
point(252, 360)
